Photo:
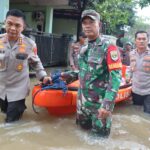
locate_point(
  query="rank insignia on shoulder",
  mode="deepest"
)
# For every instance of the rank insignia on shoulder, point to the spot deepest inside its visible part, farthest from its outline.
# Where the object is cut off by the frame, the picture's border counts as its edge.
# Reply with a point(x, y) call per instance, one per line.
point(114, 55)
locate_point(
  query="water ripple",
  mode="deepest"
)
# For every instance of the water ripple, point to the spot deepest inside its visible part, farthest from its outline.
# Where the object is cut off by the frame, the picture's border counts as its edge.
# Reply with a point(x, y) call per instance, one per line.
point(133, 118)
point(113, 143)
point(36, 129)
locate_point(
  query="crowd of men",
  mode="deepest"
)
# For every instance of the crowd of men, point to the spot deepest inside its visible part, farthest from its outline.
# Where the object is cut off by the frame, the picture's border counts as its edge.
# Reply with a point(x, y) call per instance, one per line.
point(96, 61)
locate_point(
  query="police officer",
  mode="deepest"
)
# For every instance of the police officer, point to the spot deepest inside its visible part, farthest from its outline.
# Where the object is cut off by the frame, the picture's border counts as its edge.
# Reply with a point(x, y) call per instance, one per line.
point(75, 47)
point(140, 67)
point(99, 76)
point(73, 55)
point(16, 52)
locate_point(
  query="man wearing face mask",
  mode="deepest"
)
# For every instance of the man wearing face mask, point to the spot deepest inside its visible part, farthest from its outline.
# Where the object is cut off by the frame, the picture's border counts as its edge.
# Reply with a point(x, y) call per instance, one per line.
point(140, 67)
point(99, 76)
point(16, 53)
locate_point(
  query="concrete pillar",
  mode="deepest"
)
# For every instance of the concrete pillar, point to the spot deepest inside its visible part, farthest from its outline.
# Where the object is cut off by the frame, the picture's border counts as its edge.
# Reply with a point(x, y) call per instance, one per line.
point(4, 7)
point(49, 20)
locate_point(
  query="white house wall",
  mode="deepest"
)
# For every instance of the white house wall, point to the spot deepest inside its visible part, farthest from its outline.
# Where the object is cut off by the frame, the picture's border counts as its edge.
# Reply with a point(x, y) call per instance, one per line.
point(61, 26)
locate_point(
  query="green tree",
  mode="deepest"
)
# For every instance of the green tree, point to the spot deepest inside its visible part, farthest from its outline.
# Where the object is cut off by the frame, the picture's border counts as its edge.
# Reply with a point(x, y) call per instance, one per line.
point(116, 14)
point(140, 24)
point(144, 3)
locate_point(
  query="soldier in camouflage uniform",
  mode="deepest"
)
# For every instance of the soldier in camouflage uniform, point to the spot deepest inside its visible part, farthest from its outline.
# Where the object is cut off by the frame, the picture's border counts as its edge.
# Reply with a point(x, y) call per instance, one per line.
point(16, 53)
point(99, 76)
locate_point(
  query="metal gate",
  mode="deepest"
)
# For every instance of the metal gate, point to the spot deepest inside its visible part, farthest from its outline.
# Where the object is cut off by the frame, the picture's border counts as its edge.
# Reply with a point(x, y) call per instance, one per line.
point(52, 48)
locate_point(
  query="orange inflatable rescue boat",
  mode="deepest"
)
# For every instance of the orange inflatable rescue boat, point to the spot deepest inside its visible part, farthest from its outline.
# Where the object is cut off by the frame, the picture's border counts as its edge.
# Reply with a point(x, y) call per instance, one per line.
point(59, 103)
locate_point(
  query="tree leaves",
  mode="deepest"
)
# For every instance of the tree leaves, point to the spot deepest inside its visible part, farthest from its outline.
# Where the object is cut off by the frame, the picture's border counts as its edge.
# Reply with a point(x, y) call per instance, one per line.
point(144, 3)
point(116, 13)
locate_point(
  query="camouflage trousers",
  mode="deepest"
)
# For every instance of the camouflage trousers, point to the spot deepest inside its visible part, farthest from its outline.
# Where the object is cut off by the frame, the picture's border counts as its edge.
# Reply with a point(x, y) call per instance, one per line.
point(87, 118)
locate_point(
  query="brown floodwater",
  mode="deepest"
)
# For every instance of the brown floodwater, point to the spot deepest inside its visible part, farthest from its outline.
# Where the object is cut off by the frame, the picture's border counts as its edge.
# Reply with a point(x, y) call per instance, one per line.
point(130, 131)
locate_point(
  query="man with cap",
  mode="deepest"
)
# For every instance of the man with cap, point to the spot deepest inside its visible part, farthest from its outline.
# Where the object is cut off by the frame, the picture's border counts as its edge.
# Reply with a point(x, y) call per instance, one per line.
point(99, 76)
point(125, 53)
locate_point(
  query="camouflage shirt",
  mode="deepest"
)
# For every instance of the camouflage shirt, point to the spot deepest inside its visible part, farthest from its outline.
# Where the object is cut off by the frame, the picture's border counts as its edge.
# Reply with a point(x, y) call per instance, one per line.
point(99, 73)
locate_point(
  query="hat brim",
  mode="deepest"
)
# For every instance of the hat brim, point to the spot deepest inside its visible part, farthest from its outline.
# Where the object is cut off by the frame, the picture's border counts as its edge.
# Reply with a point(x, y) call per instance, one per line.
point(89, 16)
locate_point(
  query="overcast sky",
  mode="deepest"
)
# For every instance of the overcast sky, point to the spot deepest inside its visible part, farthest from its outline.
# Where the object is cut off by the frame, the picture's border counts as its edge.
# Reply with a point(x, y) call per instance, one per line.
point(144, 12)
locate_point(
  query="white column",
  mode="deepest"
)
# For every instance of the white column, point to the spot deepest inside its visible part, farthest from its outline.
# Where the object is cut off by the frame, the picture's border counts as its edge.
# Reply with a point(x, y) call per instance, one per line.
point(49, 20)
point(4, 7)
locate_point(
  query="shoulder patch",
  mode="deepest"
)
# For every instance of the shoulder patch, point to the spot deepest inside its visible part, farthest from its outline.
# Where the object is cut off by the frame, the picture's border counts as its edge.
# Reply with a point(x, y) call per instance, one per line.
point(113, 58)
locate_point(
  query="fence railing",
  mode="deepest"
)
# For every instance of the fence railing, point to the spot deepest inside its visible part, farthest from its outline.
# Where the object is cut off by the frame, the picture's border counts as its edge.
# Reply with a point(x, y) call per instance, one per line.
point(52, 48)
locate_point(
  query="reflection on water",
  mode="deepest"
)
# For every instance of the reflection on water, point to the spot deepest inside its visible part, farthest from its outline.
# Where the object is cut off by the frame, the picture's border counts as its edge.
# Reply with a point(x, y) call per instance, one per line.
point(130, 131)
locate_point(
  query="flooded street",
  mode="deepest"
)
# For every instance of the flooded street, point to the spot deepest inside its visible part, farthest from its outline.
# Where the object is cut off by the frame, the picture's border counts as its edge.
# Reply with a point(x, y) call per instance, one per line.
point(130, 131)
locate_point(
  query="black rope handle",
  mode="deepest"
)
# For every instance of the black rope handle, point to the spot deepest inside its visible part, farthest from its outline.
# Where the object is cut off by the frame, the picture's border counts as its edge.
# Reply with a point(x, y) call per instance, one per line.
point(33, 98)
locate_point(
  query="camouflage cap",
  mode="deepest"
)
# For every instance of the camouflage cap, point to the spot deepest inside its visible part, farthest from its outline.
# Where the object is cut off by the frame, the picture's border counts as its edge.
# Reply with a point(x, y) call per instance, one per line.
point(90, 13)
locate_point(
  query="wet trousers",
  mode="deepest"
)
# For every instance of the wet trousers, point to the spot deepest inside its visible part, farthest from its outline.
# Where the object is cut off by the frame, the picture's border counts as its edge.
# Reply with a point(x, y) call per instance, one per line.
point(87, 118)
point(13, 110)
point(142, 100)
